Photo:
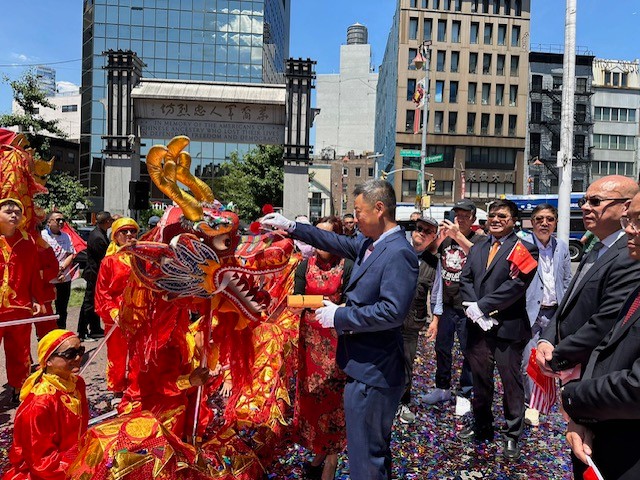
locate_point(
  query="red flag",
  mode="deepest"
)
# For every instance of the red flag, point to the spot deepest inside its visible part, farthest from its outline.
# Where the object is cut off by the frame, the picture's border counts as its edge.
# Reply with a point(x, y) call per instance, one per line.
point(592, 473)
point(78, 243)
point(543, 393)
point(522, 259)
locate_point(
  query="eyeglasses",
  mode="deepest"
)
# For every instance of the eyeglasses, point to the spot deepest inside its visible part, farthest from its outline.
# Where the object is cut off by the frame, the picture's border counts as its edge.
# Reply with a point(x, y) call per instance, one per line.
point(542, 218)
point(70, 353)
point(625, 222)
point(425, 230)
point(59, 221)
point(128, 231)
point(501, 216)
point(596, 201)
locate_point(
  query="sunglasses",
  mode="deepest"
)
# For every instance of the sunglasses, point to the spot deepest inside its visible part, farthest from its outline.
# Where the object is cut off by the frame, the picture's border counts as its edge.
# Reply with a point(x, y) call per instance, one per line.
point(70, 353)
point(59, 221)
point(128, 231)
point(501, 216)
point(541, 219)
point(596, 201)
point(425, 230)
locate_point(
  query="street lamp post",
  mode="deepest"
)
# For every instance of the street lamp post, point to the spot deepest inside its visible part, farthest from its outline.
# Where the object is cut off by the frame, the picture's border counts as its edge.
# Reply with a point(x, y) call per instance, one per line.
point(422, 60)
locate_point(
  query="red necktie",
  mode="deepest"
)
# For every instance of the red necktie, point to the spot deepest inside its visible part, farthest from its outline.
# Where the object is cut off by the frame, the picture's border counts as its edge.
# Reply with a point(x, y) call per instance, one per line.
point(632, 309)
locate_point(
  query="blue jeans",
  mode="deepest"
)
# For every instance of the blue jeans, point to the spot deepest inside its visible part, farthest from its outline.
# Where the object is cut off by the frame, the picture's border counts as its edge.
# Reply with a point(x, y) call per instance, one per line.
point(452, 322)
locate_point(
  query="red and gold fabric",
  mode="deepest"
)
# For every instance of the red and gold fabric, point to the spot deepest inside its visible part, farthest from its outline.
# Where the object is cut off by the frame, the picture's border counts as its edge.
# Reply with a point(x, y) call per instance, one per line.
point(48, 425)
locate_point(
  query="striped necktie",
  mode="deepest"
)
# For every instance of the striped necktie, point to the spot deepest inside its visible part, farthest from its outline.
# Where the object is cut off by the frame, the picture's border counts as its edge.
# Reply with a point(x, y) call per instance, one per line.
point(632, 309)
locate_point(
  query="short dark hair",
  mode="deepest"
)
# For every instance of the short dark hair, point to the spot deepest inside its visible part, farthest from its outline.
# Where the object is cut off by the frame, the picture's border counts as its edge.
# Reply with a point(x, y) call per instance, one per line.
point(50, 214)
point(347, 215)
point(378, 191)
point(102, 217)
point(335, 222)
point(545, 206)
point(508, 204)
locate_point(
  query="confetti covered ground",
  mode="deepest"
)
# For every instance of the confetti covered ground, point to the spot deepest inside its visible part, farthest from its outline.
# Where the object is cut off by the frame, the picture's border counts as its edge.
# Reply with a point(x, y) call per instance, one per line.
point(427, 449)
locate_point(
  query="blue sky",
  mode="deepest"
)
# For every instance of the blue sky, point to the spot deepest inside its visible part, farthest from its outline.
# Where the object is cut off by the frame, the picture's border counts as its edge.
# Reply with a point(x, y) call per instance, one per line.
point(45, 31)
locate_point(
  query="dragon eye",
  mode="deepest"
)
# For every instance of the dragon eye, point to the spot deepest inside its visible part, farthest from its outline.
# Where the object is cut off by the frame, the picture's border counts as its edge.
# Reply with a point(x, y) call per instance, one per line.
point(222, 242)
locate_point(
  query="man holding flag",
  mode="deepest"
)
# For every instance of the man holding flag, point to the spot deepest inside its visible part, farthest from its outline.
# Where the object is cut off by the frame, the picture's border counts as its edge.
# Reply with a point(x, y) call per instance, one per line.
point(493, 285)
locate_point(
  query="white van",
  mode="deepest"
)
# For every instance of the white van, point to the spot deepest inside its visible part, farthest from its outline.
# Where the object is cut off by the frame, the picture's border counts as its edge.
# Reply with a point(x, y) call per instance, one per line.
point(439, 212)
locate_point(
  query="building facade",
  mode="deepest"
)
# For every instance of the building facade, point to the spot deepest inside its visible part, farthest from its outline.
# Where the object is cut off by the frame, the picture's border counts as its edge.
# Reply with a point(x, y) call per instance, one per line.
point(616, 117)
point(544, 122)
point(347, 100)
point(46, 79)
point(210, 40)
point(477, 90)
point(66, 111)
point(346, 173)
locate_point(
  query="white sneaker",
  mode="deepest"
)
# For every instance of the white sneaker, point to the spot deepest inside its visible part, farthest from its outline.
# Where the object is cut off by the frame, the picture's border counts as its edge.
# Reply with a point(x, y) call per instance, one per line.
point(405, 415)
point(437, 395)
point(463, 406)
point(532, 417)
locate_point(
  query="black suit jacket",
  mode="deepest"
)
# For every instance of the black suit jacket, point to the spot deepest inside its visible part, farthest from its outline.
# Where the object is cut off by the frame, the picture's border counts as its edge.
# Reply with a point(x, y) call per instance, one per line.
point(584, 317)
point(607, 398)
point(97, 245)
point(498, 295)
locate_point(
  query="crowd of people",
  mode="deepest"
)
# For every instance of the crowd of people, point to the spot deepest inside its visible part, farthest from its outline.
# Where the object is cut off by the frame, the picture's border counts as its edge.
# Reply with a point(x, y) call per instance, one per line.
point(508, 295)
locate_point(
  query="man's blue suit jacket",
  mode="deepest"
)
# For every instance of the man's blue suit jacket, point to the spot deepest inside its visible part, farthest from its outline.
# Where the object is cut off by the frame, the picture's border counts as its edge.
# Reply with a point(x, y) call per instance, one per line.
point(379, 295)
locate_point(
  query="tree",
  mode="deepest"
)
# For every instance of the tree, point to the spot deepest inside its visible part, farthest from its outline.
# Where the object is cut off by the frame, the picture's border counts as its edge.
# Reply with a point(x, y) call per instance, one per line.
point(253, 181)
point(65, 195)
point(29, 97)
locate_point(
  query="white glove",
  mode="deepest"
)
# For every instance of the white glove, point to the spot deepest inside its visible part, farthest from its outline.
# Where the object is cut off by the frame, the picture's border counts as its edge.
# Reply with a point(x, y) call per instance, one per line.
point(485, 323)
point(277, 220)
point(472, 311)
point(326, 315)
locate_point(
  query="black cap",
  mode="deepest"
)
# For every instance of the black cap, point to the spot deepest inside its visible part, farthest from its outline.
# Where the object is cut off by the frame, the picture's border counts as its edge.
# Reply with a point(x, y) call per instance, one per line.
point(464, 204)
point(428, 220)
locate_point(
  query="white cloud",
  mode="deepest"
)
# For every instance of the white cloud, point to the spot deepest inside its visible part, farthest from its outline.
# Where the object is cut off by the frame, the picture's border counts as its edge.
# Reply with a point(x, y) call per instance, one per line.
point(20, 57)
point(67, 87)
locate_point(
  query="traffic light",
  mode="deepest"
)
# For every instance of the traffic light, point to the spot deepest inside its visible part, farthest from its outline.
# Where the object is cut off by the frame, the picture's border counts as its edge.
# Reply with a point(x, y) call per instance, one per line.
point(431, 188)
point(383, 175)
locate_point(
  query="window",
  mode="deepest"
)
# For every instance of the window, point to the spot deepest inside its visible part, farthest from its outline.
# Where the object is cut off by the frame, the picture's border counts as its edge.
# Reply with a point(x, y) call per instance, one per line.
point(444, 187)
point(473, 38)
point(513, 120)
point(496, 7)
point(439, 91)
point(457, 5)
point(409, 119)
point(471, 123)
point(486, 92)
point(536, 111)
point(453, 120)
point(499, 94)
point(498, 124)
point(428, 24)
point(515, 65)
point(455, 61)
point(485, 6)
point(436, 4)
point(370, 172)
point(447, 4)
point(486, 63)
point(556, 111)
point(578, 145)
point(413, 28)
point(502, 34)
point(474, 5)
point(613, 142)
point(581, 113)
point(513, 95)
point(453, 92)
point(515, 35)
point(557, 82)
point(581, 85)
point(413, 4)
point(473, 62)
point(517, 8)
point(441, 58)
point(536, 82)
point(473, 86)
point(411, 88)
point(534, 144)
point(488, 33)
point(358, 171)
point(500, 65)
point(69, 108)
point(345, 171)
point(455, 32)
point(484, 124)
point(507, 7)
point(616, 79)
point(413, 52)
point(438, 117)
point(442, 30)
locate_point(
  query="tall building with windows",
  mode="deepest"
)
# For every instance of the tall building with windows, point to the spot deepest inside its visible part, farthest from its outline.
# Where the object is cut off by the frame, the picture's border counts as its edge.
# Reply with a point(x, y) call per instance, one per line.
point(206, 40)
point(477, 110)
point(46, 79)
point(616, 107)
point(546, 71)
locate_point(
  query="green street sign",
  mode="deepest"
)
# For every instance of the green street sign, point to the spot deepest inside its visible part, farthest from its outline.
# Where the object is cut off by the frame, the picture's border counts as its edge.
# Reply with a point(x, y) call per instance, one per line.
point(434, 159)
point(410, 153)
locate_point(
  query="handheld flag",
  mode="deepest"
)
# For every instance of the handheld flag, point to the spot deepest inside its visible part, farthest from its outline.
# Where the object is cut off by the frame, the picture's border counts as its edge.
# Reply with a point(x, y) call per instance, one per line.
point(543, 393)
point(522, 259)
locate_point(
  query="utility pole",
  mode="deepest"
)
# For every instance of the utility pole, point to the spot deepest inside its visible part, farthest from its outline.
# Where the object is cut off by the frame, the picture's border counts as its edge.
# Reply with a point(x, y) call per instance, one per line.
point(565, 155)
point(423, 60)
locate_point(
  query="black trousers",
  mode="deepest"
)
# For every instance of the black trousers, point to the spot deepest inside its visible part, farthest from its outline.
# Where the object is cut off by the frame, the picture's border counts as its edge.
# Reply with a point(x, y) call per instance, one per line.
point(452, 322)
point(89, 319)
point(63, 292)
point(484, 354)
point(410, 337)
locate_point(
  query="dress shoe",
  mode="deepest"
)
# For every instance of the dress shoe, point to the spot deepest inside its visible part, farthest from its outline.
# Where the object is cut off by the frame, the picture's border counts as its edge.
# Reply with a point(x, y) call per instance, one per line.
point(476, 434)
point(511, 450)
point(437, 395)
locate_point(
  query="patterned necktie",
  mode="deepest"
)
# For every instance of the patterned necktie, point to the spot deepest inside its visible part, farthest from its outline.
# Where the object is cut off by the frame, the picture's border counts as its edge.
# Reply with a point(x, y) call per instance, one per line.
point(632, 309)
point(492, 252)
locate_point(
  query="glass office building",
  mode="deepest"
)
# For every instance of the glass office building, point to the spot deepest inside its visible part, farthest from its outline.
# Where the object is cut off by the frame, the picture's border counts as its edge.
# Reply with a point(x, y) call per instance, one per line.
point(206, 40)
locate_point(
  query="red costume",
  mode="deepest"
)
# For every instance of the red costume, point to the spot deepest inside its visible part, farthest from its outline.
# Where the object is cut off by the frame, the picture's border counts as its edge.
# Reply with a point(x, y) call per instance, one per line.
point(21, 283)
point(112, 279)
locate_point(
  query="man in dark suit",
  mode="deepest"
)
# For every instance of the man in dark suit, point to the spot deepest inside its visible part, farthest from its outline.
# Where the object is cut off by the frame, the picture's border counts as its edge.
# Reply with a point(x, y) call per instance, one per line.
point(369, 326)
point(493, 291)
point(604, 404)
point(603, 280)
point(97, 245)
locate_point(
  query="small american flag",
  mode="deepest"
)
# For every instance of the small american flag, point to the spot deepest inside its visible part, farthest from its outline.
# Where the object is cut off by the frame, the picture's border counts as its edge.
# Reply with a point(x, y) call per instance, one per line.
point(544, 393)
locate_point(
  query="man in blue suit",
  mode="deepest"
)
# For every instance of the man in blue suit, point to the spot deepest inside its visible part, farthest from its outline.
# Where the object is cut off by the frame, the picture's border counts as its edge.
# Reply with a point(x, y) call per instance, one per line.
point(547, 287)
point(369, 326)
